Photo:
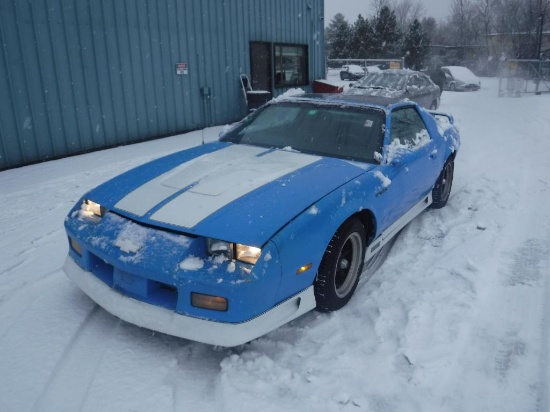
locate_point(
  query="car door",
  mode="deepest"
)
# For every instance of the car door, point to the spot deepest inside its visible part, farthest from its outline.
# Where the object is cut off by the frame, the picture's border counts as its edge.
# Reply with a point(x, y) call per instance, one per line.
point(416, 92)
point(431, 91)
point(410, 162)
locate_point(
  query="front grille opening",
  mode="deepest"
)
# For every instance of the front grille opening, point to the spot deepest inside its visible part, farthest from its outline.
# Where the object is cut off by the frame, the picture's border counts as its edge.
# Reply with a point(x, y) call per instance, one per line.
point(101, 270)
point(163, 295)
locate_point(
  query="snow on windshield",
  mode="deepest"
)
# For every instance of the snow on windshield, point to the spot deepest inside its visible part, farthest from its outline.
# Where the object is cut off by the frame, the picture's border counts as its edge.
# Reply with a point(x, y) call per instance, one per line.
point(386, 79)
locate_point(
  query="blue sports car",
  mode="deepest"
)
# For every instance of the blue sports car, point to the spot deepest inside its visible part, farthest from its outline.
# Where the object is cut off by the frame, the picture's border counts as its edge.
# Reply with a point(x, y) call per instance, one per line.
point(226, 241)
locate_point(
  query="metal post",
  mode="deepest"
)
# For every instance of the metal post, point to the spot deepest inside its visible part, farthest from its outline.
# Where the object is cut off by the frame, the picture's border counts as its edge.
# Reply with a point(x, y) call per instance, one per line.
point(539, 35)
point(539, 48)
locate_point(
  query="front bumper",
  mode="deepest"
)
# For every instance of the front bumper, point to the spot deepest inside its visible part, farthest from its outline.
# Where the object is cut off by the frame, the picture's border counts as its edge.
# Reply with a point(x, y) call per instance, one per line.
point(467, 87)
point(172, 323)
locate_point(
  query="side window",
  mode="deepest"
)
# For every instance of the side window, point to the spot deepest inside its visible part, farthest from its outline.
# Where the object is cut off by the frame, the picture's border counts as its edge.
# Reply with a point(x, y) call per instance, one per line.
point(424, 81)
point(413, 82)
point(408, 127)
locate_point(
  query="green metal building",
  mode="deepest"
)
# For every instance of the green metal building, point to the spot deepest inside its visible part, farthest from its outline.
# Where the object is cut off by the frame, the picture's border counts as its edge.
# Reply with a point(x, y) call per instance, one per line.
point(81, 75)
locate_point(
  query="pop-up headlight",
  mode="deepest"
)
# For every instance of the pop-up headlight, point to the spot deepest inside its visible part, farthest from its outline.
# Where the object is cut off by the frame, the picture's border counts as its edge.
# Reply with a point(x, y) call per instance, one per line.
point(219, 248)
point(248, 254)
point(93, 207)
point(244, 253)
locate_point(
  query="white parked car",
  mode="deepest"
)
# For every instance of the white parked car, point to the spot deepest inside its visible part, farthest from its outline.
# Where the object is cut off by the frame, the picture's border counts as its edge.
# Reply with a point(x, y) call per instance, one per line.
point(460, 78)
point(351, 72)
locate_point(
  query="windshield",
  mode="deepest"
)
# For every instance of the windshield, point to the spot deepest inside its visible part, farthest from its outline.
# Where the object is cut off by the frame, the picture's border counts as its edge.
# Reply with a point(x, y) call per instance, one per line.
point(325, 130)
point(386, 79)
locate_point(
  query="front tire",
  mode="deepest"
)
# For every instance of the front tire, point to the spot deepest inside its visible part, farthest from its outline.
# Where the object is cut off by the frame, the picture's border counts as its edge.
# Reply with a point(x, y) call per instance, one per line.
point(443, 185)
point(340, 267)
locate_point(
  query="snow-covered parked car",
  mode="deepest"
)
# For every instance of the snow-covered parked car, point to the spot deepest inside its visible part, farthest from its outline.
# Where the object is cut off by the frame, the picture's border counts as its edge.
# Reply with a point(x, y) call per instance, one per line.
point(351, 72)
point(399, 83)
point(460, 78)
point(226, 241)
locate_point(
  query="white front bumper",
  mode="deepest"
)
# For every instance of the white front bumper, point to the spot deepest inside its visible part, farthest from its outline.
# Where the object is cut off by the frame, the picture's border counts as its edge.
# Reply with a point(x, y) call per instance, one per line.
point(172, 323)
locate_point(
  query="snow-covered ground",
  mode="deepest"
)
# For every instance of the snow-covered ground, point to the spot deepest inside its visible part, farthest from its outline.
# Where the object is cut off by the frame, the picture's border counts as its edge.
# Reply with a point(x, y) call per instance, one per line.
point(457, 318)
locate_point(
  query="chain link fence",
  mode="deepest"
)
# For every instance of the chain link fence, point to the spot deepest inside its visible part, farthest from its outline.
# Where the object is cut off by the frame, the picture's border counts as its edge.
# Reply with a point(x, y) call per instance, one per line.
point(365, 63)
point(517, 77)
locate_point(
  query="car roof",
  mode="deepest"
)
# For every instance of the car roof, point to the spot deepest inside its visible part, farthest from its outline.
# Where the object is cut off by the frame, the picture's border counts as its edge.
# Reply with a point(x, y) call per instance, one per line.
point(359, 100)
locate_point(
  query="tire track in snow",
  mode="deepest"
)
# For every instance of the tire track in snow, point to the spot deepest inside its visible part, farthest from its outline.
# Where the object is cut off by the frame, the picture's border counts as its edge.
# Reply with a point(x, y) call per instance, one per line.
point(521, 356)
point(12, 267)
point(68, 386)
point(38, 241)
point(20, 298)
point(544, 395)
point(202, 394)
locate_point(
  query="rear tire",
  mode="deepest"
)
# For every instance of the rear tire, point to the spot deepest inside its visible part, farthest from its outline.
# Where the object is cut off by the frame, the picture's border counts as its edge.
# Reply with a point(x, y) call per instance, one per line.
point(341, 266)
point(443, 185)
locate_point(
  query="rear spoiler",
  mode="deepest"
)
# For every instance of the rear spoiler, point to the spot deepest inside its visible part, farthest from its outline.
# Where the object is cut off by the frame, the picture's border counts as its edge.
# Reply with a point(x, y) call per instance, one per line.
point(442, 117)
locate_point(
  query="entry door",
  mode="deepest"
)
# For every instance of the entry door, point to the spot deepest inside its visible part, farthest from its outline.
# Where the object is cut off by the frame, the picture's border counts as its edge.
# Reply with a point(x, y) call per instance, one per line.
point(260, 63)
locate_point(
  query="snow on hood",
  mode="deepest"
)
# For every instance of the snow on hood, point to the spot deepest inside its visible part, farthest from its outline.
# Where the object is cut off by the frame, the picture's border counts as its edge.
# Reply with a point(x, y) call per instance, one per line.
point(235, 193)
point(463, 73)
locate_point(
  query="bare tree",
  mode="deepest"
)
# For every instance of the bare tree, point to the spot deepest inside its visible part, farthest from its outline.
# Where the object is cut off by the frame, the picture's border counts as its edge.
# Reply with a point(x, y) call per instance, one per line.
point(378, 5)
point(486, 11)
point(407, 11)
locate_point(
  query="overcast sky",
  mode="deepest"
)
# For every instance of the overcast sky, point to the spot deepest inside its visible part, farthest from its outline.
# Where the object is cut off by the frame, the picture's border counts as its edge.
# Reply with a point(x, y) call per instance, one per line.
point(439, 9)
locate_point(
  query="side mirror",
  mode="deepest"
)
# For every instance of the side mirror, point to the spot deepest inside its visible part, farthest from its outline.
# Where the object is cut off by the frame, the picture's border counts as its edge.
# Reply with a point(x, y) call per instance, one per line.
point(397, 161)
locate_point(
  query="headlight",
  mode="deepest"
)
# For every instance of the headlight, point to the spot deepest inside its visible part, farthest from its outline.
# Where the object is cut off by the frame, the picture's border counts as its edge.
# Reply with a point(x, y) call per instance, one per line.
point(219, 248)
point(248, 254)
point(93, 207)
point(244, 253)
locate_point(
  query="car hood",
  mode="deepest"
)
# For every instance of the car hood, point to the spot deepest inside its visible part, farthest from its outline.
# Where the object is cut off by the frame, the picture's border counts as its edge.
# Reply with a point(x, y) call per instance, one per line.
point(226, 191)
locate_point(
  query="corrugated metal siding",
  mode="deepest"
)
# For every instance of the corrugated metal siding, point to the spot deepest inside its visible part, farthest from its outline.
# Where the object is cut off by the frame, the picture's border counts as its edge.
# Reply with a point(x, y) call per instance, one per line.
point(78, 75)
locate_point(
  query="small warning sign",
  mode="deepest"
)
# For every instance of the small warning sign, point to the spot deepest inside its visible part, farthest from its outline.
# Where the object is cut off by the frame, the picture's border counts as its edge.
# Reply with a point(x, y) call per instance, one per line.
point(395, 65)
point(182, 68)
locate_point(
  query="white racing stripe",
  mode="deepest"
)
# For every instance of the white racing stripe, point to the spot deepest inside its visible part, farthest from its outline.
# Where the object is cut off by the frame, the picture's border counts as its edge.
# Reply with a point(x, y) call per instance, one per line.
point(216, 179)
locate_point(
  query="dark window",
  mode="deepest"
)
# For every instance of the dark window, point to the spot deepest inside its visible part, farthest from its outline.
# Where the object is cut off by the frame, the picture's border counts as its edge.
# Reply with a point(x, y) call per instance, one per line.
point(408, 127)
point(414, 82)
point(424, 81)
point(290, 65)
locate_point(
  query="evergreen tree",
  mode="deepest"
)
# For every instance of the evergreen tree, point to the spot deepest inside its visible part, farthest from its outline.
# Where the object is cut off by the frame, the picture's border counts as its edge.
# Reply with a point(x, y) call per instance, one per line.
point(338, 37)
point(386, 34)
point(416, 46)
point(361, 40)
